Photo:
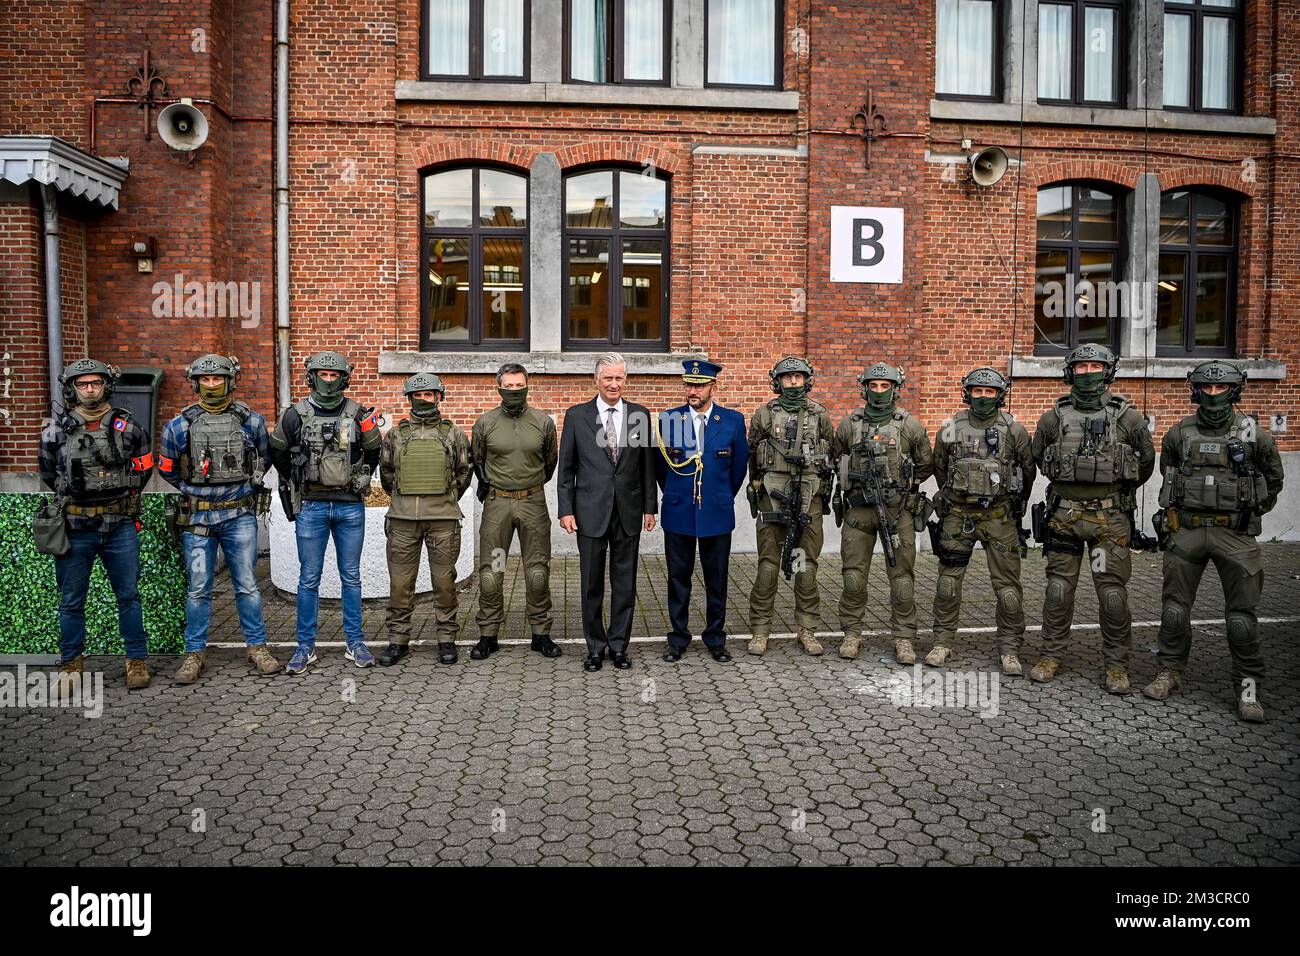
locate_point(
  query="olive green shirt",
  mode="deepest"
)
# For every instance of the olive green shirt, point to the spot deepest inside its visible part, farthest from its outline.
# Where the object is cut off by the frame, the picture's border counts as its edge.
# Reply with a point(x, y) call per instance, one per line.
point(516, 451)
point(427, 507)
point(1018, 446)
point(760, 431)
point(1132, 431)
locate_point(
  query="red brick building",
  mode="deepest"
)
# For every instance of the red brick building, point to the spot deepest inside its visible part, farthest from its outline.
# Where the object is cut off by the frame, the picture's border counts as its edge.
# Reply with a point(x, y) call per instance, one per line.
point(461, 174)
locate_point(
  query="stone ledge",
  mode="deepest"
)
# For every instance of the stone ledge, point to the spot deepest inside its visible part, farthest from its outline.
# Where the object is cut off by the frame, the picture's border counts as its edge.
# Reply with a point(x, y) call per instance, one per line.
point(666, 97)
point(1049, 366)
point(968, 112)
point(393, 362)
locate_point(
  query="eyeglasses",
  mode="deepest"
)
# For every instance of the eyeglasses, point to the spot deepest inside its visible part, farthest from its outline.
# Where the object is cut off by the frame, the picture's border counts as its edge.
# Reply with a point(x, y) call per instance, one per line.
point(87, 386)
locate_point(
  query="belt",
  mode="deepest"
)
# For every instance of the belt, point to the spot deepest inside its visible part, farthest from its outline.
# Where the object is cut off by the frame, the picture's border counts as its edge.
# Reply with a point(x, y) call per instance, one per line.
point(203, 504)
point(115, 507)
point(1093, 504)
point(1207, 521)
point(517, 495)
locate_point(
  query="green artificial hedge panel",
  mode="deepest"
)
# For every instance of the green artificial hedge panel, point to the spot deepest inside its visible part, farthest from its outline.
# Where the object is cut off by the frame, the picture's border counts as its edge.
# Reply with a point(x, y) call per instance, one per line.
point(29, 593)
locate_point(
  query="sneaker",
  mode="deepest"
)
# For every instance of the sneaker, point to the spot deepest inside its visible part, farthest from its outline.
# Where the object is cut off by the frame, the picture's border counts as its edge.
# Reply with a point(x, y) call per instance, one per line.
point(1167, 682)
point(1011, 665)
point(359, 654)
point(302, 658)
point(263, 660)
point(938, 655)
point(1045, 670)
point(808, 641)
point(1116, 680)
point(904, 653)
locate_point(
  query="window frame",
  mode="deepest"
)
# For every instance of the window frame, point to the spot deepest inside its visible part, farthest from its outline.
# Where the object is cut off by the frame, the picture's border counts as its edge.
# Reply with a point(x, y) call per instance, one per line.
point(614, 59)
point(1198, 13)
point(475, 73)
point(1074, 249)
point(778, 52)
point(1118, 69)
point(997, 64)
point(1191, 269)
point(475, 232)
point(615, 235)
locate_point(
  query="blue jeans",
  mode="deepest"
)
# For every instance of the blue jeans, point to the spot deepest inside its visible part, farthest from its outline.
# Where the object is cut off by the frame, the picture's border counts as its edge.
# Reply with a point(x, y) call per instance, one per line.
point(317, 522)
point(119, 550)
point(238, 540)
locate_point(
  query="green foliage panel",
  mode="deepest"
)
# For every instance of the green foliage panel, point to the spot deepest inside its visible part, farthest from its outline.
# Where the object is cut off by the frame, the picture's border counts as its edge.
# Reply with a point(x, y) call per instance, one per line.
point(29, 593)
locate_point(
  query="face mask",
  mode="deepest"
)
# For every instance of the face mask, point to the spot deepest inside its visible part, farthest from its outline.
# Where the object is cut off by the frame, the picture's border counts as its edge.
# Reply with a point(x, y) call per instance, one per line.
point(793, 398)
point(213, 398)
point(1215, 409)
point(880, 405)
point(424, 409)
point(513, 399)
point(1090, 384)
point(983, 407)
point(328, 394)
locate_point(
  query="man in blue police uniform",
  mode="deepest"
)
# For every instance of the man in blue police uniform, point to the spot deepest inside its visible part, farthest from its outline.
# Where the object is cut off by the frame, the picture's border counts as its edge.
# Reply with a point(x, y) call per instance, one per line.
point(704, 454)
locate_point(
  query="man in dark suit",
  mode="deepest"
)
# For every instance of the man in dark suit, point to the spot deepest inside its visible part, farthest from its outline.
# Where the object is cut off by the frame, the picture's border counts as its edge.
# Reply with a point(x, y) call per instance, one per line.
point(607, 495)
point(704, 453)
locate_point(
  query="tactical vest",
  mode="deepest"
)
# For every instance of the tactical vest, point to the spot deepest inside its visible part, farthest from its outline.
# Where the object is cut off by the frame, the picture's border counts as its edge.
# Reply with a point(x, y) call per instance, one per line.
point(977, 475)
point(98, 463)
point(1087, 448)
point(219, 452)
point(892, 465)
point(795, 434)
point(1207, 479)
point(329, 444)
point(422, 458)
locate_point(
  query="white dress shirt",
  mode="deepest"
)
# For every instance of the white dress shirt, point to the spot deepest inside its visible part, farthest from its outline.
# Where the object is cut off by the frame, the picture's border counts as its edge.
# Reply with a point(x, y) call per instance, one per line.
point(602, 416)
point(699, 429)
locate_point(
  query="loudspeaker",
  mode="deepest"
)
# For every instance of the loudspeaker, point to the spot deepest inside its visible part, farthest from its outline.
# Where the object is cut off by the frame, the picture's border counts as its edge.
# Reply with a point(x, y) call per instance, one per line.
point(988, 165)
point(183, 127)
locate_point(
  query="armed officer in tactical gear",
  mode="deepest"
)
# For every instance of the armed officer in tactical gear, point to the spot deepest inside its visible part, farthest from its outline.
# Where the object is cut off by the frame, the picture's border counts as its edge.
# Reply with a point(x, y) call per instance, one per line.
point(216, 452)
point(883, 455)
point(789, 479)
point(325, 449)
point(1221, 474)
point(514, 449)
point(1095, 449)
point(96, 458)
point(424, 467)
point(985, 470)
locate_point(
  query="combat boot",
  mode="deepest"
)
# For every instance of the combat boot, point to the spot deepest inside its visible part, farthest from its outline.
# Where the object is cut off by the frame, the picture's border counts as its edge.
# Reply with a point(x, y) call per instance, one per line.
point(757, 644)
point(1250, 709)
point(1045, 670)
point(70, 673)
point(808, 641)
point(263, 660)
point(392, 654)
point(850, 646)
point(192, 665)
point(1167, 682)
point(1011, 665)
point(447, 652)
point(904, 653)
point(137, 675)
point(938, 655)
point(1116, 680)
point(487, 646)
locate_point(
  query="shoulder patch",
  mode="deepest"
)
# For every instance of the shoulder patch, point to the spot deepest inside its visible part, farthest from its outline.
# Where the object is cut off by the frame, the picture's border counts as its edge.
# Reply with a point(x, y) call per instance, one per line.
point(119, 423)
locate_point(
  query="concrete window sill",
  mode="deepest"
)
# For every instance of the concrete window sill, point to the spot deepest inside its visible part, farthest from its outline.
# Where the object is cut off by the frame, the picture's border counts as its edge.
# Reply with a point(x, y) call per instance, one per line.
point(581, 94)
point(1097, 116)
point(392, 362)
point(1049, 366)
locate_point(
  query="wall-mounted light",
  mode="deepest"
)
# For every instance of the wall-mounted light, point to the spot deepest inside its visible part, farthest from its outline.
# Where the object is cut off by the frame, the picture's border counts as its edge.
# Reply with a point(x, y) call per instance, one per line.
point(143, 249)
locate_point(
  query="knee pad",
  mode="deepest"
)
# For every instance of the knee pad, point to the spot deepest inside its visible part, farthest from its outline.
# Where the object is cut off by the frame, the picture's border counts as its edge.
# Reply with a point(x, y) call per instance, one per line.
point(947, 587)
point(1173, 618)
point(1009, 600)
point(490, 583)
point(537, 579)
point(766, 577)
point(1055, 592)
point(900, 589)
point(1240, 626)
point(1114, 601)
point(806, 579)
point(855, 582)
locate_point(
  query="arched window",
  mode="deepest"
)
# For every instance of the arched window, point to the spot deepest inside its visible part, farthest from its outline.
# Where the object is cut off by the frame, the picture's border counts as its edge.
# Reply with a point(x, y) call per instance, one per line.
point(474, 259)
point(616, 260)
point(1077, 295)
point(1196, 303)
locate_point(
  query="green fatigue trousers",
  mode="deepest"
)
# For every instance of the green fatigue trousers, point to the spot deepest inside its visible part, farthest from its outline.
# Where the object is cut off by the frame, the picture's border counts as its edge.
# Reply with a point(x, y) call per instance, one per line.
point(1241, 572)
point(1104, 536)
point(502, 517)
point(958, 533)
point(807, 599)
point(405, 540)
point(857, 544)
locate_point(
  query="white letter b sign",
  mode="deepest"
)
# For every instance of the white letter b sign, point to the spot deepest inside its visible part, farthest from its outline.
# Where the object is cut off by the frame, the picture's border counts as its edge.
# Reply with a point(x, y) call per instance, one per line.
point(866, 244)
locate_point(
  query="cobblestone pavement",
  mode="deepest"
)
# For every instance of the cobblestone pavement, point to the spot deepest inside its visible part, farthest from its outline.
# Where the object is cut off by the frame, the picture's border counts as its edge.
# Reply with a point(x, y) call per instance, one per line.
point(776, 760)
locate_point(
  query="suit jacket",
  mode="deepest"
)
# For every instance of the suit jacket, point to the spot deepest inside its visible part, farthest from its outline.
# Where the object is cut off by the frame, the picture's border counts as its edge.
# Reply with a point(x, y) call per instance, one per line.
point(726, 458)
point(590, 487)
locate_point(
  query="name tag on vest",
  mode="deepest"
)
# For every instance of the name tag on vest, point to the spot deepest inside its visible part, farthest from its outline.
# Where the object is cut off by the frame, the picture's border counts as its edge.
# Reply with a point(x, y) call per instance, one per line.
point(1210, 448)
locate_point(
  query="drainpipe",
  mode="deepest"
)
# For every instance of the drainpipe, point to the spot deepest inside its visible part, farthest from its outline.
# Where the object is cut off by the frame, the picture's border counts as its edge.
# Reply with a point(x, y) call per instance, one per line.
point(53, 297)
point(282, 202)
